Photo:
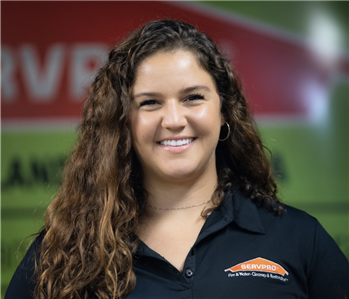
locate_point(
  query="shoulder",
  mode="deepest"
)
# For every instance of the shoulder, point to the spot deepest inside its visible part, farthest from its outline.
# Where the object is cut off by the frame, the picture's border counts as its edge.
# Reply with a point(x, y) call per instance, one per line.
point(246, 213)
point(23, 281)
point(305, 237)
point(297, 227)
point(291, 220)
point(300, 235)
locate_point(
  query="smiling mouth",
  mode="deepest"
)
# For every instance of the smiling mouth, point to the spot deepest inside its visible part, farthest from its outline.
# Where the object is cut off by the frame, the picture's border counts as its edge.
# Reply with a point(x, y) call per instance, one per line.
point(175, 143)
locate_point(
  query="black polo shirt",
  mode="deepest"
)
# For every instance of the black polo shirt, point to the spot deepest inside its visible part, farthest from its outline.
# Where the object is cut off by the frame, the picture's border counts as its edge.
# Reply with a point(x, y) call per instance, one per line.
point(242, 252)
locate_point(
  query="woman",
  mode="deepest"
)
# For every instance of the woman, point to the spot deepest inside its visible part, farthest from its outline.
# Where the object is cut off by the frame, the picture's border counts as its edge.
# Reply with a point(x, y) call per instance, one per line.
point(168, 193)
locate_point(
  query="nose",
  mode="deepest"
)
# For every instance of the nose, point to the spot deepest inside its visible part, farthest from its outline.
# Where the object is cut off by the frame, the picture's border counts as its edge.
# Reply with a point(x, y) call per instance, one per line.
point(174, 118)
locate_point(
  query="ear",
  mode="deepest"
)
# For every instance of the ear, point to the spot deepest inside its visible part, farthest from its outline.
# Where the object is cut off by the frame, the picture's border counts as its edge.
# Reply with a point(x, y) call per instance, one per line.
point(222, 119)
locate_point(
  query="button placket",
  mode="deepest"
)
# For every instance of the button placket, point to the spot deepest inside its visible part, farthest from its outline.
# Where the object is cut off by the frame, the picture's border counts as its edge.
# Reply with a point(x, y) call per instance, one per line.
point(188, 273)
point(189, 267)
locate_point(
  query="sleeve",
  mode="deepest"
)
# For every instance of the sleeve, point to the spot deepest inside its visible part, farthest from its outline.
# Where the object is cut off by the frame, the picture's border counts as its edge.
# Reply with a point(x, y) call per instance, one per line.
point(329, 274)
point(23, 281)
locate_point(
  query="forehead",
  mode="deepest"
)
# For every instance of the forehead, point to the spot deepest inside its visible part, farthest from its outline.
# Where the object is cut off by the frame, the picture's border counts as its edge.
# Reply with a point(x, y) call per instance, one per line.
point(175, 68)
point(163, 59)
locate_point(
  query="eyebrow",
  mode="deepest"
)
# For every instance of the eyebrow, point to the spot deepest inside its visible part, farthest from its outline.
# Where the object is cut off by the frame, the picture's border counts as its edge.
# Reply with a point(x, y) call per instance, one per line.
point(193, 88)
point(184, 90)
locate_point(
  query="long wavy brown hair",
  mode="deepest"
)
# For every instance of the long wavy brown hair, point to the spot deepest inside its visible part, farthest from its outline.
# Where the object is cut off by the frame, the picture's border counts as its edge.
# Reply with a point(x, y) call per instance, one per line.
point(89, 233)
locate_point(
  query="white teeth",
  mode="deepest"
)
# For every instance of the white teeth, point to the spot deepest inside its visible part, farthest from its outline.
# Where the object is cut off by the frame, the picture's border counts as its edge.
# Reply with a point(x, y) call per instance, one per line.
point(177, 142)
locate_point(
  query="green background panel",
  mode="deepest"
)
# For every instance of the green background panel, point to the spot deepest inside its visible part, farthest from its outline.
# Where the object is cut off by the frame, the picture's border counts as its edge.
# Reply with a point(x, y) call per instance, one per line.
point(311, 165)
point(291, 16)
point(31, 164)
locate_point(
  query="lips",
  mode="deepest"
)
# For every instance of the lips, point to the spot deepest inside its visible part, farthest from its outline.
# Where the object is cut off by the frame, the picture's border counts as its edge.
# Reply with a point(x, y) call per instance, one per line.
point(176, 142)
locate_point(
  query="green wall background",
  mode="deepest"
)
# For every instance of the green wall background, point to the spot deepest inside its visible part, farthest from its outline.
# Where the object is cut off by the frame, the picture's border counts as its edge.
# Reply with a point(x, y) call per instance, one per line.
point(311, 160)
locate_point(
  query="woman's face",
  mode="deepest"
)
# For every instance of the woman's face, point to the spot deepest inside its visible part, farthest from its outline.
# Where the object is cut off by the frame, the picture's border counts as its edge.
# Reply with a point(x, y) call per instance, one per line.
point(175, 117)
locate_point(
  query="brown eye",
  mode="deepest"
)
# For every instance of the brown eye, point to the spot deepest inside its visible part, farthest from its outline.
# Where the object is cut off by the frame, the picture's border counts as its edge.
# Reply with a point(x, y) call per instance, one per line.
point(147, 102)
point(194, 97)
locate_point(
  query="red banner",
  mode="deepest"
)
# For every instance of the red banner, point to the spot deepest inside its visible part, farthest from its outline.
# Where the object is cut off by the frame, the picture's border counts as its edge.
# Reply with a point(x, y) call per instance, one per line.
point(52, 50)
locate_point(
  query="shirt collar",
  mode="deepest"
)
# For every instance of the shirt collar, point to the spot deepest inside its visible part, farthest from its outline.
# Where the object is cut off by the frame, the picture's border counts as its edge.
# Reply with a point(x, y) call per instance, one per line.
point(240, 209)
point(235, 208)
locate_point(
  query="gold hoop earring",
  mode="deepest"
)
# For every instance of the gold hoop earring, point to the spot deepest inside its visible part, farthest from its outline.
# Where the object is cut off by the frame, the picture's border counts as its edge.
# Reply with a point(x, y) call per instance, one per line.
point(227, 134)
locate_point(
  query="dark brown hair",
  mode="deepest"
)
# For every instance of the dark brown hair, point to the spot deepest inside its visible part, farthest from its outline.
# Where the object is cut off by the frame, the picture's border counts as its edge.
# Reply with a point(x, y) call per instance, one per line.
point(90, 226)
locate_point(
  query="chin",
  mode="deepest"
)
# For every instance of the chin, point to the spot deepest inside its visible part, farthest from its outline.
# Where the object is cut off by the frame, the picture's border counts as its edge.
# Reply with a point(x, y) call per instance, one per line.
point(179, 175)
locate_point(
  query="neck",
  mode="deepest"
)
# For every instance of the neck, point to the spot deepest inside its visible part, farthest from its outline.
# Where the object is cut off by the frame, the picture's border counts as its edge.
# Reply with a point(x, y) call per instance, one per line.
point(174, 195)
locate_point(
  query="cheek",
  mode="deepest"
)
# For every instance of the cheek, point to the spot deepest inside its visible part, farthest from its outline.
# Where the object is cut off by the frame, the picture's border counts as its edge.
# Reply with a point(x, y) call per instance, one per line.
point(143, 128)
point(209, 119)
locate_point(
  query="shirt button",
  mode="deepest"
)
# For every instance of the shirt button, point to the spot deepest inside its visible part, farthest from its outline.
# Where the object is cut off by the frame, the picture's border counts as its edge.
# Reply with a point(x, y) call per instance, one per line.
point(188, 273)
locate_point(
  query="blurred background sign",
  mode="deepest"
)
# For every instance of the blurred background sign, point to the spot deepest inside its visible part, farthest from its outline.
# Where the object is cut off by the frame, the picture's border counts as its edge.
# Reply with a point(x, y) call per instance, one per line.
point(294, 72)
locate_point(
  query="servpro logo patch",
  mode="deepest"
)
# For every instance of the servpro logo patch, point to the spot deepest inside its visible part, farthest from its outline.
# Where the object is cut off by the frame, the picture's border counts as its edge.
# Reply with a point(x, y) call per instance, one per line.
point(258, 267)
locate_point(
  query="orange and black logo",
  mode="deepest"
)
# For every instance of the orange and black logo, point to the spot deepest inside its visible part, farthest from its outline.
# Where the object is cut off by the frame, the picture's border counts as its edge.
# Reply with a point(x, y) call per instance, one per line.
point(258, 267)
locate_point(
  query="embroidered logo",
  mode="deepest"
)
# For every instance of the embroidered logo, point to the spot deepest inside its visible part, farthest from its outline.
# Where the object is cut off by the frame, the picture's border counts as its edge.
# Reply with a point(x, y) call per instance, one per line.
point(258, 267)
